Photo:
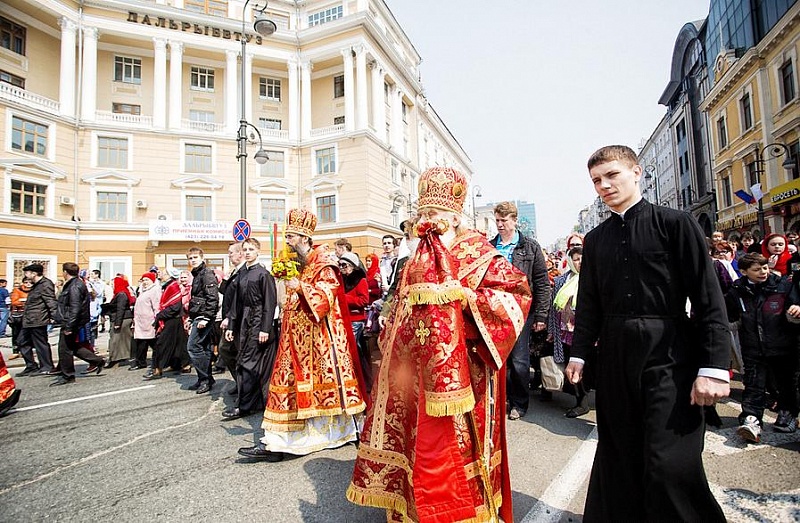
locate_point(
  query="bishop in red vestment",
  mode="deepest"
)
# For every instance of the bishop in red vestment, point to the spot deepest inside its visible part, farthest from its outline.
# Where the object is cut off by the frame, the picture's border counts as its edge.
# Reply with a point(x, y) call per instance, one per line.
point(433, 447)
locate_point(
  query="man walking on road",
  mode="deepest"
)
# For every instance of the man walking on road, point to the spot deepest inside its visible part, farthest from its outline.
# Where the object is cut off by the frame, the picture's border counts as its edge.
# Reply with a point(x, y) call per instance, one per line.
point(202, 311)
point(526, 255)
point(73, 311)
point(40, 310)
point(227, 349)
point(656, 367)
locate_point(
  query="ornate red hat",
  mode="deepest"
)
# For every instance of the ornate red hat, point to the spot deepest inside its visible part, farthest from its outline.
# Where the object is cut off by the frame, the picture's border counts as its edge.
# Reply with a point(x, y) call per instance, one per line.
point(301, 221)
point(442, 188)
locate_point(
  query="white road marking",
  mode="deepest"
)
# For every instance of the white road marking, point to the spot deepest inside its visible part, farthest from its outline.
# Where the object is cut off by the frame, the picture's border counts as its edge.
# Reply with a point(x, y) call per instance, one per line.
point(567, 483)
point(211, 408)
point(84, 398)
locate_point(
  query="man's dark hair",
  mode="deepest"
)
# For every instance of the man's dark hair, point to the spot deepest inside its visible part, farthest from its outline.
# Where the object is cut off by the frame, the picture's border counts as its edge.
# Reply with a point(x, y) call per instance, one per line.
point(575, 250)
point(96, 272)
point(387, 236)
point(3, 281)
point(341, 242)
point(71, 268)
point(747, 235)
point(750, 259)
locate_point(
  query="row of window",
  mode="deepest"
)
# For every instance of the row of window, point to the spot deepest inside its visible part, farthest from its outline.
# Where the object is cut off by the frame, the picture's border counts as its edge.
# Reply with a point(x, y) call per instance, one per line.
point(30, 199)
point(787, 94)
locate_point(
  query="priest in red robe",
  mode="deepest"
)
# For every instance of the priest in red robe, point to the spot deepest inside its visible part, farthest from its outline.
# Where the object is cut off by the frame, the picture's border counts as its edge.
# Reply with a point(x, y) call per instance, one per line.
point(9, 393)
point(316, 390)
point(433, 447)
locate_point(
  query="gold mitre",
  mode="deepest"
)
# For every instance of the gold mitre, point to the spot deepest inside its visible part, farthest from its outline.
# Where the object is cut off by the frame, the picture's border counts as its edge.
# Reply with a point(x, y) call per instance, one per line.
point(301, 221)
point(442, 188)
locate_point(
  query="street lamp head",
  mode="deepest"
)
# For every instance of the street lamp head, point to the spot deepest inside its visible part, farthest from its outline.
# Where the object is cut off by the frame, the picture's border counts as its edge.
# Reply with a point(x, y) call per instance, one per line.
point(261, 157)
point(263, 25)
point(789, 163)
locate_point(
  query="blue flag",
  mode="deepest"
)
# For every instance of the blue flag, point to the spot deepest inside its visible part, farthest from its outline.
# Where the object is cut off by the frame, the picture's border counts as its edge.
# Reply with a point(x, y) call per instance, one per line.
point(746, 196)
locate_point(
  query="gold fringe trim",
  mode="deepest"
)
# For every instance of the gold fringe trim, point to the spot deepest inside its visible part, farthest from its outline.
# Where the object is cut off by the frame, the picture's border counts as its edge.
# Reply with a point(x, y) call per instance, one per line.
point(435, 294)
point(439, 409)
point(366, 498)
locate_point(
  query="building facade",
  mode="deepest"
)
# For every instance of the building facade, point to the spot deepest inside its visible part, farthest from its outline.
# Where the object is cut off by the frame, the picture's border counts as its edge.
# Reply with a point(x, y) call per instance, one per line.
point(659, 183)
point(120, 122)
point(753, 105)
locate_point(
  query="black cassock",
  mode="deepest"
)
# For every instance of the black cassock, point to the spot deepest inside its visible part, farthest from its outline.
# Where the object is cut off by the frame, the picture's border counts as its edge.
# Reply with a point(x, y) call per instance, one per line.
point(252, 311)
point(636, 275)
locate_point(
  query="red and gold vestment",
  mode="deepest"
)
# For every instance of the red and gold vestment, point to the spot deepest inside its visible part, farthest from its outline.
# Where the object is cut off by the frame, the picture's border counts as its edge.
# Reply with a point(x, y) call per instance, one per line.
point(316, 372)
point(7, 386)
point(433, 446)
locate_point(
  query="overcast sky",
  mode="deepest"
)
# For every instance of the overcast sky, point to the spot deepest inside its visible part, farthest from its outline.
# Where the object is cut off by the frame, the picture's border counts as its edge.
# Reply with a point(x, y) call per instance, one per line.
point(530, 88)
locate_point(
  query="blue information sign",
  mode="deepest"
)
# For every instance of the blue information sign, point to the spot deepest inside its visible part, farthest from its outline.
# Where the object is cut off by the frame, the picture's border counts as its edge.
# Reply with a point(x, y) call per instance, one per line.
point(241, 230)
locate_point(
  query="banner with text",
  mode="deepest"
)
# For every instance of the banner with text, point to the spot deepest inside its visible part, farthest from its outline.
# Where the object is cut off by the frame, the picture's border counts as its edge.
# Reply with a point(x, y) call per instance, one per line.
point(175, 230)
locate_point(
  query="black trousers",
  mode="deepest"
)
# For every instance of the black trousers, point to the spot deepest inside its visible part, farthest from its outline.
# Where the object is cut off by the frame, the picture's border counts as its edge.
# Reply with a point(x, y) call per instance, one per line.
point(254, 364)
point(36, 338)
point(68, 348)
point(139, 350)
point(756, 371)
point(227, 353)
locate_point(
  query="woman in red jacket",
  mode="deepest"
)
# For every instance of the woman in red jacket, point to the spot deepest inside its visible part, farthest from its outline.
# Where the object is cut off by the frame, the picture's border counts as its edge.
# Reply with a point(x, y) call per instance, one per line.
point(357, 296)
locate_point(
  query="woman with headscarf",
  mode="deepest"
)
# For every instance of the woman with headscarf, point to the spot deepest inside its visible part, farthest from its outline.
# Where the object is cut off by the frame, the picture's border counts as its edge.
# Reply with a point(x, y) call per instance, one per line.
point(356, 293)
point(170, 349)
point(775, 249)
point(119, 344)
point(144, 313)
point(562, 325)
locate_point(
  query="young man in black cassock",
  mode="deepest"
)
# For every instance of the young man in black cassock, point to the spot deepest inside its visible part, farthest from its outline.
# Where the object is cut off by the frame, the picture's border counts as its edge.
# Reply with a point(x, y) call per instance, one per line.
point(251, 321)
point(657, 369)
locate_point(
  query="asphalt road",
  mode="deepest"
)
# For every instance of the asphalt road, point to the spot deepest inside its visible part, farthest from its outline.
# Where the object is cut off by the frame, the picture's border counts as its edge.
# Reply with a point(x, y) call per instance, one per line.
point(127, 450)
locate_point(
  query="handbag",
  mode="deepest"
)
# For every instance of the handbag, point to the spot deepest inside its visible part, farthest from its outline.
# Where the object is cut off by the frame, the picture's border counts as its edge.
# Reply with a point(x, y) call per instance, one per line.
point(552, 374)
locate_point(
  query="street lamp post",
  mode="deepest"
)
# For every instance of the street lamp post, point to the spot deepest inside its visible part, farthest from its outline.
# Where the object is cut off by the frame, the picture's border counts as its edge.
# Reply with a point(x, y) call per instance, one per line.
point(476, 193)
point(772, 150)
point(651, 173)
point(265, 27)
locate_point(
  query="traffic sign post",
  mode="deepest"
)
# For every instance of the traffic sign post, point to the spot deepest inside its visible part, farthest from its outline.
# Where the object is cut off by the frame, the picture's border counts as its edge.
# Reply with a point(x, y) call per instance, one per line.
point(241, 230)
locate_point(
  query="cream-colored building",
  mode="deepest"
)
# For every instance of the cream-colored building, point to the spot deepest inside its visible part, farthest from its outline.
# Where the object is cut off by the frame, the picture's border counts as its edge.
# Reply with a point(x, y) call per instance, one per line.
point(755, 103)
point(119, 125)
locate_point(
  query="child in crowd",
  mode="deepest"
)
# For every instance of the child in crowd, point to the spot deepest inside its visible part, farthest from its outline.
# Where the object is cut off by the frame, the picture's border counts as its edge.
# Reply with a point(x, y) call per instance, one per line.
point(763, 301)
point(774, 248)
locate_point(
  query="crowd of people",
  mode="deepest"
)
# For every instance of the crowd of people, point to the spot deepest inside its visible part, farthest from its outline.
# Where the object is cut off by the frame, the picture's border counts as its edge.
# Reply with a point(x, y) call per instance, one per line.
point(409, 351)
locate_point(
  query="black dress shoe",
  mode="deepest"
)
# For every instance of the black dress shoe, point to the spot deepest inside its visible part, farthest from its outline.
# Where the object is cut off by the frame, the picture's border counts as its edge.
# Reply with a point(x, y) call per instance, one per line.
point(62, 381)
point(152, 376)
point(194, 386)
point(136, 366)
point(53, 372)
point(109, 364)
point(204, 387)
point(234, 413)
point(218, 370)
point(28, 371)
point(9, 402)
point(259, 453)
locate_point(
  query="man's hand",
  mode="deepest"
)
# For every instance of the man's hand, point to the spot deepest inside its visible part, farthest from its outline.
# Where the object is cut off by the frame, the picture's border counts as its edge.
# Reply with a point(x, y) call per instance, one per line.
point(228, 335)
point(707, 391)
point(794, 311)
point(293, 284)
point(224, 324)
point(263, 337)
point(539, 326)
point(574, 372)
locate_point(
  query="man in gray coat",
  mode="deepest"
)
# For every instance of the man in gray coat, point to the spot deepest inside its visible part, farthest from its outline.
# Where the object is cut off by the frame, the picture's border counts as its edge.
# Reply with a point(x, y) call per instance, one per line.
point(40, 310)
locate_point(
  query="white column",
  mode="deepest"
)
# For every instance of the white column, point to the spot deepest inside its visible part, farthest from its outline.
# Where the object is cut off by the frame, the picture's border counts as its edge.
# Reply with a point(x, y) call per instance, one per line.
point(66, 79)
point(361, 88)
point(175, 84)
point(305, 99)
point(160, 83)
point(248, 86)
point(378, 104)
point(89, 88)
point(349, 108)
point(231, 113)
point(294, 101)
point(397, 119)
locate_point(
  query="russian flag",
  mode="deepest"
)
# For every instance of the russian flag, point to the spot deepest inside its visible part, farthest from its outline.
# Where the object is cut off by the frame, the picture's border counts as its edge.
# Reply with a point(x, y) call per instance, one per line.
point(745, 196)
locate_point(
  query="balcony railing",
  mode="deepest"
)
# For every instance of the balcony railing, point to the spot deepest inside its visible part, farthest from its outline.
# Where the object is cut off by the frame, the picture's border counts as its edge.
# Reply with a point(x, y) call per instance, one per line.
point(128, 120)
point(208, 127)
point(276, 134)
point(27, 98)
point(330, 130)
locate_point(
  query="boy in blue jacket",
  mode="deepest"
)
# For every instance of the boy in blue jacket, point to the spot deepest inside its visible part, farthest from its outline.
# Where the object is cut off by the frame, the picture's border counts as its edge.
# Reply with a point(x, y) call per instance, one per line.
point(762, 301)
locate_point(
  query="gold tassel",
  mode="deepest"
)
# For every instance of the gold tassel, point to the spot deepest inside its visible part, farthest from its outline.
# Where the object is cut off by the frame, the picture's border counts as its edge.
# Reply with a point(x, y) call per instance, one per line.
point(439, 409)
point(363, 497)
point(428, 294)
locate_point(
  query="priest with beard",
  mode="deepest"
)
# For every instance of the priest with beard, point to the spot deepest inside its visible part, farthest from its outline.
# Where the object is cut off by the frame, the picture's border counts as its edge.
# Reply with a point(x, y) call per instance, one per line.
point(316, 389)
point(433, 447)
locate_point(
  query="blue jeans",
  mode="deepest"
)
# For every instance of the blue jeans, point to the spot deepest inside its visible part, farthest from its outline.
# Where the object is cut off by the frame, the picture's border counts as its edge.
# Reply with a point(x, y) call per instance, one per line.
point(4, 312)
point(200, 350)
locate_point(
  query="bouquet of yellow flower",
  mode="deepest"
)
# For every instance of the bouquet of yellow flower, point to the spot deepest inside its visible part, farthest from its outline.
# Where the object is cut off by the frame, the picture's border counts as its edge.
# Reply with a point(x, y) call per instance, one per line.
point(284, 267)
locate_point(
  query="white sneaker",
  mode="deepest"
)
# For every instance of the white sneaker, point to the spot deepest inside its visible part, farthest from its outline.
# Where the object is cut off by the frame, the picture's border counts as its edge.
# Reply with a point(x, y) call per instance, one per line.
point(785, 422)
point(750, 430)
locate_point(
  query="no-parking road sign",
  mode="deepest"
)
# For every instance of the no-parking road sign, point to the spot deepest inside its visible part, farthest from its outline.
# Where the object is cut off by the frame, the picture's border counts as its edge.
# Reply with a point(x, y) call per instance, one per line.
point(241, 230)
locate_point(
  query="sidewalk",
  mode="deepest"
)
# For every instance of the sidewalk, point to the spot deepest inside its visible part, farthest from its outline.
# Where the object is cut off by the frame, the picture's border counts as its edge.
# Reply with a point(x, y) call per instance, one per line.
point(5, 347)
